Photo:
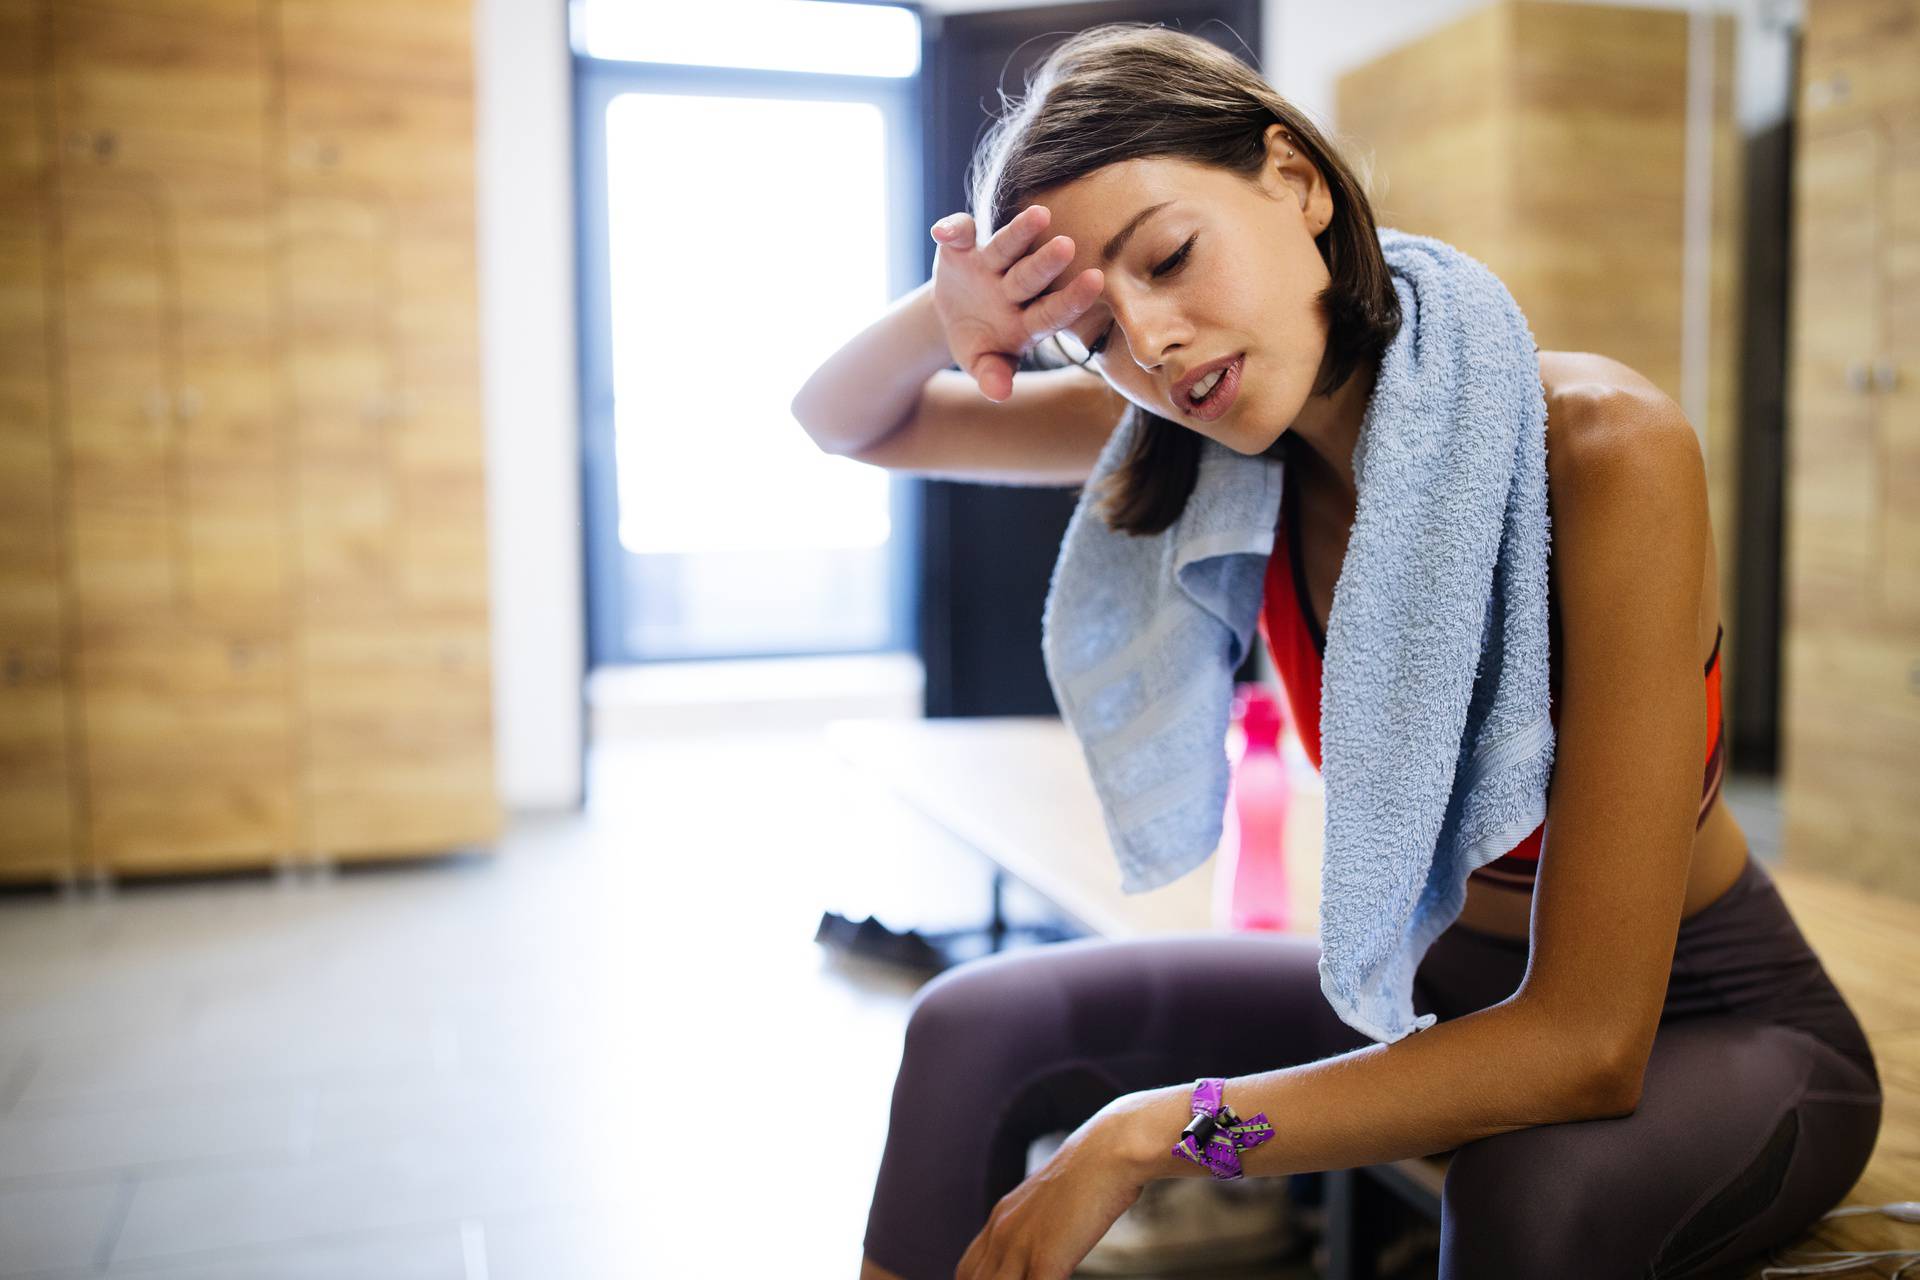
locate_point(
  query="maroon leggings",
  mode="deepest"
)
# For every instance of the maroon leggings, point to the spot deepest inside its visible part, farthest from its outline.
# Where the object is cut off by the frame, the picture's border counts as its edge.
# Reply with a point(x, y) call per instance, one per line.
point(1760, 1106)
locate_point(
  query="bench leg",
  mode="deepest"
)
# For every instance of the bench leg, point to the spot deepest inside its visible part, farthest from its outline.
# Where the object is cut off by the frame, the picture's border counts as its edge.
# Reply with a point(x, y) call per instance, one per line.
point(1352, 1231)
point(1363, 1207)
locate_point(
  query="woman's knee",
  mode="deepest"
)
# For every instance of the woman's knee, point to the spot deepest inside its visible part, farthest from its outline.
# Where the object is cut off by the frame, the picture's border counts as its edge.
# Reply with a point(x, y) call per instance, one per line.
point(986, 1022)
point(966, 1005)
point(992, 1061)
point(1526, 1204)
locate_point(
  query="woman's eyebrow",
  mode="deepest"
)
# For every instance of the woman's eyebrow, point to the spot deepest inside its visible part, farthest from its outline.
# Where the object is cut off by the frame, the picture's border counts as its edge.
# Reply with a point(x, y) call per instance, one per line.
point(1120, 237)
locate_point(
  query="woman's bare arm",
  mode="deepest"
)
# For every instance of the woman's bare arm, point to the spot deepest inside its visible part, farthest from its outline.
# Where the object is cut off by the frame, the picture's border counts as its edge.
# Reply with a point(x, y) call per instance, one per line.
point(892, 397)
point(869, 386)
point(1048, 432)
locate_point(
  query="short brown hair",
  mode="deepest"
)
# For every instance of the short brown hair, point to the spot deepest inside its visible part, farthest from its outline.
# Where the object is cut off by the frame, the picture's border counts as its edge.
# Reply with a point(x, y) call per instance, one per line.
point(1126, 91)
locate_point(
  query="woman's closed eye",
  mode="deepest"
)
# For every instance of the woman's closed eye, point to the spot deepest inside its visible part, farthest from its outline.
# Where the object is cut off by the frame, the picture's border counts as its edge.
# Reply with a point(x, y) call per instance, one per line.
point(1172, 264)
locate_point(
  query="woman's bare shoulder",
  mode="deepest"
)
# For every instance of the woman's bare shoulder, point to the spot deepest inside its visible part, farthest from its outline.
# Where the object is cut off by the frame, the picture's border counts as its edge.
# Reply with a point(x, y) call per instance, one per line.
point(1619, 454)
point(1593, 400)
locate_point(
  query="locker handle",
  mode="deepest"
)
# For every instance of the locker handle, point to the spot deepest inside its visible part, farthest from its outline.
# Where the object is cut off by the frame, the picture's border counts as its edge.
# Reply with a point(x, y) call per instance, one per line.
point(100, 145)
point(17, 668)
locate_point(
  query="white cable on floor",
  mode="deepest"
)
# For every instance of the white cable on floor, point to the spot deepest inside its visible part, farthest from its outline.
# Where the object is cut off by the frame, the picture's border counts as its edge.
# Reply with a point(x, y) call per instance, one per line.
point(1842, 1261)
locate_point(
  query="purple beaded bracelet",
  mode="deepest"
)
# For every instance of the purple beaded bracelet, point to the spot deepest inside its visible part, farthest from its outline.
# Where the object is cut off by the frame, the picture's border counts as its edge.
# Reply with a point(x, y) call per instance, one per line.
point(1215, 1137)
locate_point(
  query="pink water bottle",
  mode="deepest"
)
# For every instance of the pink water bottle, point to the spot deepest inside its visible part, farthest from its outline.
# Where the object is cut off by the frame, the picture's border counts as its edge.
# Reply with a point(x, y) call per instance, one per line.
point(1251, 881)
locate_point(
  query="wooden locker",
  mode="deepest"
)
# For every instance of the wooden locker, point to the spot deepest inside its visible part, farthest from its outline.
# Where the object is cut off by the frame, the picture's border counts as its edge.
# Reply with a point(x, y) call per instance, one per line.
point(243, 605)
point(177, 494)
point(37, 794)
point(1896, 376)
point(1851, 730)
point(1549, 141)
point(382, 357)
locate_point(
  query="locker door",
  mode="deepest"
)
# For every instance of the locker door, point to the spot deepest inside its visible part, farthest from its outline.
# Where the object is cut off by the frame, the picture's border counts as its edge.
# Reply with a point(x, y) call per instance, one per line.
point(36, 797)
point(383, 359)
point(1896, 378)
point(177, 488)
point(1832, 504)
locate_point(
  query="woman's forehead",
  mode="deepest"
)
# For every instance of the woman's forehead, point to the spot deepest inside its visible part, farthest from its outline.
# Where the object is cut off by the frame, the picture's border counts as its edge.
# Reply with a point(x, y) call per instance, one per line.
point(1104, 246)
point(1106, 197)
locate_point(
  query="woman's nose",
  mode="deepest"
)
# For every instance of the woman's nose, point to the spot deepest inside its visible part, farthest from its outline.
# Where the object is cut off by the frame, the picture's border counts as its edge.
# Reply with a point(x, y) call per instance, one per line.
point(1151, 335)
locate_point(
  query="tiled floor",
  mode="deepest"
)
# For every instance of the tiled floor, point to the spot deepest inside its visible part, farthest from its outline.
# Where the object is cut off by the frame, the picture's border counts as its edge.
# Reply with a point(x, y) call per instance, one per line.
point(484, 1068)
point(487, 1067)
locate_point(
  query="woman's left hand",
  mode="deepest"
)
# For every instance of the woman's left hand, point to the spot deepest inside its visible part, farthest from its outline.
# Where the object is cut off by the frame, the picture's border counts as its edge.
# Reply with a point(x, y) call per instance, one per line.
point(1043, 1228)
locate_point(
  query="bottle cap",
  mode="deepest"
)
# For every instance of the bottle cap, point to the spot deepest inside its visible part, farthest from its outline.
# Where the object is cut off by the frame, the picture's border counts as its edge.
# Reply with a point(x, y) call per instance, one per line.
point(1260, 714)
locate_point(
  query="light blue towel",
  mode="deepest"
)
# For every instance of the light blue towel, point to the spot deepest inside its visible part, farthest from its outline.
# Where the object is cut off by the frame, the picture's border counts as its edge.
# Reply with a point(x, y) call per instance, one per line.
point(1434, 725)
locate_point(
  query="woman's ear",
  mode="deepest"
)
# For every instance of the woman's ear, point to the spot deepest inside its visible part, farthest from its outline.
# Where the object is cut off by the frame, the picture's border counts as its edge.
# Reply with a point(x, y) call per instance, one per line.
point(1280, 148)
point(1290, 175)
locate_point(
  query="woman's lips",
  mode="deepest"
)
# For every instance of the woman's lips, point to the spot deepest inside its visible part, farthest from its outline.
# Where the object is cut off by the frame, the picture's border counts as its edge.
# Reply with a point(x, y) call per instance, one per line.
point(1220, 399)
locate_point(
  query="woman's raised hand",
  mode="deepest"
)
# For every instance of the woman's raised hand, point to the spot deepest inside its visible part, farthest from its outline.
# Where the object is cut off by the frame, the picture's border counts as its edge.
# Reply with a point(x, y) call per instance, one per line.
point(984, 294)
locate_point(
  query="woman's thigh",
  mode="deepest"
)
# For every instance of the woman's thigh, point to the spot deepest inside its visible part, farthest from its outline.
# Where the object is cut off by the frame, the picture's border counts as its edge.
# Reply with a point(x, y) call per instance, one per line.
point(1007, 1048)
point(1746, 1132)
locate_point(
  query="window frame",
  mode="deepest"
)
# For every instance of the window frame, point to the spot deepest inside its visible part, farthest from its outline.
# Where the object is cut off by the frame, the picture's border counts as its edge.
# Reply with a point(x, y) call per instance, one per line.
point(597, 82)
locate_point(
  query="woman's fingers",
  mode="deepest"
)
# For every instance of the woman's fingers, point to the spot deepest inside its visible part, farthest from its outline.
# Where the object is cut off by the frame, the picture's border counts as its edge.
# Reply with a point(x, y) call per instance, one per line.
point(1059, 309)
point(996, 301)
point(1008, 245)
point(955, 231)
point(1011, 242)
point(1034, 272)
point(993, 371)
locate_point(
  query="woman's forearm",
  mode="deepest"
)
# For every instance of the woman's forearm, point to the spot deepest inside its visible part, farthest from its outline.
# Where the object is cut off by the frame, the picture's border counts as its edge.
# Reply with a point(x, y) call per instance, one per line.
point(1472, 1077)
point(870, 386)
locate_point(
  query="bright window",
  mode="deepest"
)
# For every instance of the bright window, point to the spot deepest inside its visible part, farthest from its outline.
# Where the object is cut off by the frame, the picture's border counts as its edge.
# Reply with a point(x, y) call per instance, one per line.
point(737, 268)
point(738, 225)
point(769, 35)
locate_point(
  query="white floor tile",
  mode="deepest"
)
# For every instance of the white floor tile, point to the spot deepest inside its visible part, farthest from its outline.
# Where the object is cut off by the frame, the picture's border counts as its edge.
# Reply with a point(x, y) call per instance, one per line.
point(36, 1143)
point(56, 1227)
point(415, 1253)
point(398, 1071)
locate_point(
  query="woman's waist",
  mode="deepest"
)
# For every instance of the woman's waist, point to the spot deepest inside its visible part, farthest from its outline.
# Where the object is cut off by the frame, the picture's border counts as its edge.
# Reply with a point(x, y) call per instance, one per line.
point(1743, 953)
point(1500, 894)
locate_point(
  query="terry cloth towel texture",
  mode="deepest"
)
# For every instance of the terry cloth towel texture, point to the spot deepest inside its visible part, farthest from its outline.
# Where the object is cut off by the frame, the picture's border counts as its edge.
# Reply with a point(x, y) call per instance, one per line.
point(1437, 742)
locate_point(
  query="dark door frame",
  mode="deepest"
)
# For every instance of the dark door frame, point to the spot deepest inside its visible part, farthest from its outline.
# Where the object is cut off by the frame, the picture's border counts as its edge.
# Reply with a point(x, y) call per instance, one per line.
point(988, 551)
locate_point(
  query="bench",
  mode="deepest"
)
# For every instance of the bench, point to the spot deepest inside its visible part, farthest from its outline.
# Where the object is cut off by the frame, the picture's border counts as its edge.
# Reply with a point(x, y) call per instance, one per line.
point(1016, 790)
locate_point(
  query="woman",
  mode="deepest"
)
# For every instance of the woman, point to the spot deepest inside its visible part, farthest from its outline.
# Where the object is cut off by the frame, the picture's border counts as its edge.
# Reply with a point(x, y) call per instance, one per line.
point(1640, 1066)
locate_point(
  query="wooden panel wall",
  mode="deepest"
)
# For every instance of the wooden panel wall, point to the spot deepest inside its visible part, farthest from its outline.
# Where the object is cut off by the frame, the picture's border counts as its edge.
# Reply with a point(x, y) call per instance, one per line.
point(38, 799)
point(382, 343)
point(1549, 141)
point(1851, 725)
point(1432, 125)
point(176, 494)
point(242, 455)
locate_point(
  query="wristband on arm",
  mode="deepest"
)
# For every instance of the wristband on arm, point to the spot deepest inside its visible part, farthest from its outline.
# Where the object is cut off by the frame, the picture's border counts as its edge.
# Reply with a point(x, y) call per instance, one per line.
point(1215, 1137)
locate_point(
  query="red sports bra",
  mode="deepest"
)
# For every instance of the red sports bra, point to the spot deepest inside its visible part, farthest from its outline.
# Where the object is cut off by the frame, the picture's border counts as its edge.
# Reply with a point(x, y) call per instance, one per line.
point(1293, 638)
